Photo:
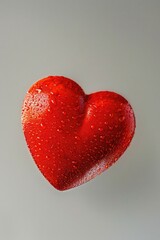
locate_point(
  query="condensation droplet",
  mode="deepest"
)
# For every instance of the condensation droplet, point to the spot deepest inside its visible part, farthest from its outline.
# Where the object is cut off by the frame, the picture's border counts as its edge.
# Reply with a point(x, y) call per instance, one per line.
point(59, 130)
point(92, 127)
point(100, 129)
point(121, 119)
point(38, 90)
point(76, 137)
point(102, 137)
point(111, 115)
point(131, 112)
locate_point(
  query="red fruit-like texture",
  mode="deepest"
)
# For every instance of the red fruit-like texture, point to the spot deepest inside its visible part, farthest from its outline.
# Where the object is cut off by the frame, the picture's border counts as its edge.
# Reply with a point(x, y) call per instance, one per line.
point(72, 136)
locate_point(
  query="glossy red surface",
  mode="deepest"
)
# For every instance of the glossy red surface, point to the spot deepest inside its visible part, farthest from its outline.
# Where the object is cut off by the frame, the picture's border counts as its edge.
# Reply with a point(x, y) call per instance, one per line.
point(72, 136)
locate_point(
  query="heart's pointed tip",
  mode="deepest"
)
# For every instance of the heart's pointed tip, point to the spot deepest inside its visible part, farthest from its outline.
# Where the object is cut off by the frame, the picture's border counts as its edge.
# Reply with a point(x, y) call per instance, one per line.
point(59, 186)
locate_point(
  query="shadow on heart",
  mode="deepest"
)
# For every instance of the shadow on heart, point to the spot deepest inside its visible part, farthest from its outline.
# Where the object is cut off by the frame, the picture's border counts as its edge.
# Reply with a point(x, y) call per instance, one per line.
point(130, 180)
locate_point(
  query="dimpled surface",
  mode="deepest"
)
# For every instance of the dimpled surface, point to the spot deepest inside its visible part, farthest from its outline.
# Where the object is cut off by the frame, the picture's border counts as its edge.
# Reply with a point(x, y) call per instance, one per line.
point(72, 136)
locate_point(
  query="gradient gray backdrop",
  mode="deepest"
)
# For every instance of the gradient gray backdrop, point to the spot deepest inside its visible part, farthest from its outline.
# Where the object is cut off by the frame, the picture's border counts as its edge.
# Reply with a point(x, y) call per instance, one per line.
point(103, 45)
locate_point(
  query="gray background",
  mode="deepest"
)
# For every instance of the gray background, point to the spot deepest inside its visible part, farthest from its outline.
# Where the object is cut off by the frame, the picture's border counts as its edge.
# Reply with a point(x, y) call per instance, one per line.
point(112, 45)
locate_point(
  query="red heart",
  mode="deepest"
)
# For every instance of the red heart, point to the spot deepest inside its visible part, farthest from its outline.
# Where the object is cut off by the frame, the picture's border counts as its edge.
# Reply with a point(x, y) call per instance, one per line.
point(72, 136)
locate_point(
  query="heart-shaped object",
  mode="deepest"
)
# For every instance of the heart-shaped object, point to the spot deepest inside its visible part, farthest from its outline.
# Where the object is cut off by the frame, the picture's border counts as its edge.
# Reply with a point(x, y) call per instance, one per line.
point(72, 136)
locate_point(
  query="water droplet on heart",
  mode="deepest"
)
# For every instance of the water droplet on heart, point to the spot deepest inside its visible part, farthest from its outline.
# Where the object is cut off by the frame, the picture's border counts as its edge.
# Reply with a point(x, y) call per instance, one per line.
point(76, 137)
point(92, 127)
point(110, 127)
point(38, 105)
point(121, 119)
point(52, 101)
point(42, 125)
point(111, 115)
point(100, 129)
point(64, 113)
point(102, 137)
point(131, 112)
point(59, 130)
point(38, 90)
point(62, 121)
point(51, 93)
